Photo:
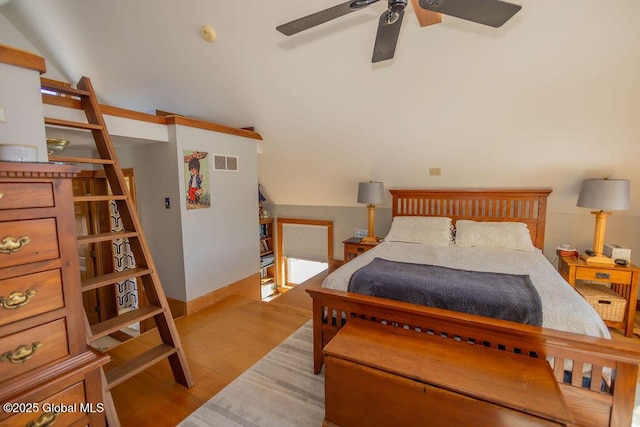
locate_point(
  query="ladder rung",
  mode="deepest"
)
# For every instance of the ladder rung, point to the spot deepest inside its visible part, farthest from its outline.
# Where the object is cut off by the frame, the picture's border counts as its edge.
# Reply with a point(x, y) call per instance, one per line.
point(102, 329)
point(98, 198)
point(67, 90)
point(137, 364)
point(71, 124)
point(81, 160)
point(105, 237)
point(108, 279)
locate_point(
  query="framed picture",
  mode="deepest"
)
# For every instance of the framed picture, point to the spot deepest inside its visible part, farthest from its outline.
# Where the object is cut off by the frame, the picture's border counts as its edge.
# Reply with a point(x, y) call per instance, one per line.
point(196, 177)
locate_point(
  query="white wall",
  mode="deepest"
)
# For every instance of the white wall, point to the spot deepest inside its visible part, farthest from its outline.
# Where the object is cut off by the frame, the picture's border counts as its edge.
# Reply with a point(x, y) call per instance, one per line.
point(156, 178)
point(220, 244)
point(20, 89)
point(197, 251)
point(11, 37)
point(546, 101)
point(21, 99)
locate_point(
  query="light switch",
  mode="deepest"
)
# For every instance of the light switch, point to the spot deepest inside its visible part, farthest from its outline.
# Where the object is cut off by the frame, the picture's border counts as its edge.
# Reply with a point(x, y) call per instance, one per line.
point(3, 114)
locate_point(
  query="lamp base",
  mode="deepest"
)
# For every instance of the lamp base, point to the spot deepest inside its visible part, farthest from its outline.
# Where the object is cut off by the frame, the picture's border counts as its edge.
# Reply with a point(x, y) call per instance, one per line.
point(370, 239)
point(597, 259)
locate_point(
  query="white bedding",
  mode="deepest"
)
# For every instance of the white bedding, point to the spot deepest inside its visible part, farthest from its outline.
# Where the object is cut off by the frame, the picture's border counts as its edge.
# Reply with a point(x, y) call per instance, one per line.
point(562, 307)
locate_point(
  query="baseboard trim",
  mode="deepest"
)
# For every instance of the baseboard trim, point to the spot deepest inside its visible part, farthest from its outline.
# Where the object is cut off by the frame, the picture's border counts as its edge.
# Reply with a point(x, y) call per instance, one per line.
point(248, 287)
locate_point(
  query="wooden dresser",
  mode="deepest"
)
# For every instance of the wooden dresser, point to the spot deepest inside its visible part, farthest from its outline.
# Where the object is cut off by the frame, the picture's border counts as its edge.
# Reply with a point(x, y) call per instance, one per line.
point(47, 372)
point(377, 375)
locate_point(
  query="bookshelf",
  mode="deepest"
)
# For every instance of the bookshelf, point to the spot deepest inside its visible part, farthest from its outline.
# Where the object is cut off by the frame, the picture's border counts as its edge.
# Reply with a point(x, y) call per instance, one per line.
point(268, 287)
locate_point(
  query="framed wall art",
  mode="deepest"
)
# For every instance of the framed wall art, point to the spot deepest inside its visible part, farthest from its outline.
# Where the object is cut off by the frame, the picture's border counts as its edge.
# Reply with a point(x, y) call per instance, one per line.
point(196, 177)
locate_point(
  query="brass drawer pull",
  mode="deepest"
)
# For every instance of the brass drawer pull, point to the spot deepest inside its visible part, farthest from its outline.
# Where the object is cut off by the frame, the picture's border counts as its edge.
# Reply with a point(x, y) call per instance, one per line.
point(603, 275)
point(21, 354)
point(17, 299)
point(9, 244)
point(1, 195)
point(46, 419)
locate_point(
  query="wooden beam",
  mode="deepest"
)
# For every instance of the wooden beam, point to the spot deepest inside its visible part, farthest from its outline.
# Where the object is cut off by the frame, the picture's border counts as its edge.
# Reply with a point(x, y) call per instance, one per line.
point(21, 58)
point(161, 117)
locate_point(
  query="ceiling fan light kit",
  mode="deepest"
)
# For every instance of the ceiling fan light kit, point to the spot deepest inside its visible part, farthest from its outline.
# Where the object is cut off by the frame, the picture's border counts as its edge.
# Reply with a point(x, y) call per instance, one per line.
point(493, 13)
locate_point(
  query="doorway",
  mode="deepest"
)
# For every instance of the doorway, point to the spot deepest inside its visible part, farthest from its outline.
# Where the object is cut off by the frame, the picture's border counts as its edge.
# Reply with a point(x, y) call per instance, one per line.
point(101, 258)
point(305, 247)
point(300, 270)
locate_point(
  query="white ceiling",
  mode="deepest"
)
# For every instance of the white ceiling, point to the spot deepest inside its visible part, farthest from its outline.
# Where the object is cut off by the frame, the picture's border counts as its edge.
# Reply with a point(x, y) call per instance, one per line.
point(546, 100)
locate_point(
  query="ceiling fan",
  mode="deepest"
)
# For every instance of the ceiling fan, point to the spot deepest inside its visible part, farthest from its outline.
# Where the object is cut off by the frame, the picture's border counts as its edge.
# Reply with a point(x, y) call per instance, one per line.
point(493, 13)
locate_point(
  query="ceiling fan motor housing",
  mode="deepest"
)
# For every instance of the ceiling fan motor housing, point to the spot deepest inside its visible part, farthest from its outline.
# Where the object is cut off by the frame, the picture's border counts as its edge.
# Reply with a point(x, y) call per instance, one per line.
point(397, 5)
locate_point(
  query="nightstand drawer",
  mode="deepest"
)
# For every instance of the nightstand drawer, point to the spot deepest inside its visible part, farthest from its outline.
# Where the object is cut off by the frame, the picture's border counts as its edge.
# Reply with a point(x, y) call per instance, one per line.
point(26, 350)
point(69, 403)
point(603, 275)
point(23, 242)
point(25, 195)
point(356, 249)
point(353, 247)
point(25, 296)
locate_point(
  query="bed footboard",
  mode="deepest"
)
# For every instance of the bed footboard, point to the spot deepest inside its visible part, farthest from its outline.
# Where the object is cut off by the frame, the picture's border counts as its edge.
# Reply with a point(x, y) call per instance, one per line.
point(597, 376)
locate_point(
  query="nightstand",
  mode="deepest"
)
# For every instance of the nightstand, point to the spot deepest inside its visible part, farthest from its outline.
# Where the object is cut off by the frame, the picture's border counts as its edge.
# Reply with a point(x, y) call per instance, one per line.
point(353, 247)
point(623, 280)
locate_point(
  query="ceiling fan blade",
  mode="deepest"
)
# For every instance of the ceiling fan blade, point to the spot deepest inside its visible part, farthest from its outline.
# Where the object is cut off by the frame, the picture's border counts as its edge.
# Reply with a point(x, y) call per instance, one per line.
point(425, 17)
point(488, 12)
point(387, 36)
point(323, 16)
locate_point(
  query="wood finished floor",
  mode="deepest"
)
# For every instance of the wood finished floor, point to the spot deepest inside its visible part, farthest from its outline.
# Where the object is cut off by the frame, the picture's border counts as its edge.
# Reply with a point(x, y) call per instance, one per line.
point(220, 342)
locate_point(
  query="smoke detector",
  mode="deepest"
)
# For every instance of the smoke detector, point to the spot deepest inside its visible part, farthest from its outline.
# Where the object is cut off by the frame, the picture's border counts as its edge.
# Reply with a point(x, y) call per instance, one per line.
point(208, 33)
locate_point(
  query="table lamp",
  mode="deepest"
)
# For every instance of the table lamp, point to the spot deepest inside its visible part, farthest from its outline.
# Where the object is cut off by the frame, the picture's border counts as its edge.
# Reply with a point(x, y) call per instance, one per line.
point(371, 193)
point(606, 195)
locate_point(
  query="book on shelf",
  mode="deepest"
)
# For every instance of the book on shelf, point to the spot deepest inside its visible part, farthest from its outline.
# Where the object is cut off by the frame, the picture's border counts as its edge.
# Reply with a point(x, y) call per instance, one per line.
point(266, 260)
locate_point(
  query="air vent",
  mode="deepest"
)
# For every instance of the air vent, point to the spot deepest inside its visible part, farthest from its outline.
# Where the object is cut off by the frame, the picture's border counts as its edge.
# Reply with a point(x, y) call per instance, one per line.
point(225, 163)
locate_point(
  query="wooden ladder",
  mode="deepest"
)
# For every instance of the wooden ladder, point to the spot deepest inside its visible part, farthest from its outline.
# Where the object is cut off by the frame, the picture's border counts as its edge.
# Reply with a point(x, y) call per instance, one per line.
point(145, 271)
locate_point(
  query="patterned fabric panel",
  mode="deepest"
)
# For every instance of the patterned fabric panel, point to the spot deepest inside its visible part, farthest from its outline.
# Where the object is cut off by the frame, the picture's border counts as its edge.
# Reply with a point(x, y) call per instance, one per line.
point(127, 290)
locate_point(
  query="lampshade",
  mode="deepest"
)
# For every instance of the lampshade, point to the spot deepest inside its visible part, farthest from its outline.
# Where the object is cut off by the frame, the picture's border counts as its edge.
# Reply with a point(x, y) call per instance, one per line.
point(371, 193)
point(604, 194)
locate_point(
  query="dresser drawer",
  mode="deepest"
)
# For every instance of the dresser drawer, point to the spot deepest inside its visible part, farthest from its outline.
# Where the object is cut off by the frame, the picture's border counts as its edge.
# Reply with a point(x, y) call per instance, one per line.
point(69, 404)
point(26, 296)
point(22, 242)
point(21, 195)
point(44, 344)
point(604, 275)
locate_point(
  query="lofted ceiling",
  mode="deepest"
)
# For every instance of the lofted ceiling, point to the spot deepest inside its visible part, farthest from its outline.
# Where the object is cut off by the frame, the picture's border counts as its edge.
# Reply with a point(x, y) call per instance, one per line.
point(547, 99)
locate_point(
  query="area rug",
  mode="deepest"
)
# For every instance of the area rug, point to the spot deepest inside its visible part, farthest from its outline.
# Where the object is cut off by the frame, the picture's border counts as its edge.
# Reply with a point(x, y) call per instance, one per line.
point(279, 390)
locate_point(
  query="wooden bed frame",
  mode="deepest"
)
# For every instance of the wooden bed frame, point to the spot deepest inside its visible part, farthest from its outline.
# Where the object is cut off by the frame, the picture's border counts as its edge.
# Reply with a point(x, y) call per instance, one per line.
point(612, 365)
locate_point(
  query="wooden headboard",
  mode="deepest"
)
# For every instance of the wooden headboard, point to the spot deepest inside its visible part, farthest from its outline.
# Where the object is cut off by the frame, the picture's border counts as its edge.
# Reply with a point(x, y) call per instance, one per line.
point(528, 206)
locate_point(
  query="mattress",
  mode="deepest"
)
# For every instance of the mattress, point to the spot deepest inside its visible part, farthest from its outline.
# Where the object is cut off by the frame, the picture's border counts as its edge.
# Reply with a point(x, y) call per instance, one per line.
point(562, 307)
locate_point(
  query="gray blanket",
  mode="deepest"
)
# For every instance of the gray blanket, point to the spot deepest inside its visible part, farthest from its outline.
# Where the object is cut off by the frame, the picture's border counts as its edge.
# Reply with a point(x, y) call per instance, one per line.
point(501, 296)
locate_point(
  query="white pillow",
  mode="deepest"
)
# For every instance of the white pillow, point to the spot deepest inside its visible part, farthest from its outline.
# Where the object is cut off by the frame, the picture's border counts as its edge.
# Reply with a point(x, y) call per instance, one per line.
point(420, 229)
point(507, 235)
